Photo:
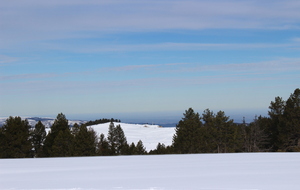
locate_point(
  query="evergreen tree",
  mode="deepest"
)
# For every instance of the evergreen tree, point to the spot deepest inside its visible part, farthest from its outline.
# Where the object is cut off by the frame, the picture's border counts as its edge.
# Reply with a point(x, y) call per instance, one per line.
point(103, 146)
point(62, 145)
point(131, 149)
point(3, 144)
point(111, 137)
point(186, 138)
point(60, 125)
point(15, 139)
point(292, 122)
point(221, 133)
point(140, 149)
point(85, 142)
point(160, 149)
point(276, 129)
point(117, 140)
point(121, 142)
point(38, 138)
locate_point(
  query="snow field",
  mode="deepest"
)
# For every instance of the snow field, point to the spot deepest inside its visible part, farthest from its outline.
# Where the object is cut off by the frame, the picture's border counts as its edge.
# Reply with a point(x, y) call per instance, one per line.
point(243, 171)
point(151, 135)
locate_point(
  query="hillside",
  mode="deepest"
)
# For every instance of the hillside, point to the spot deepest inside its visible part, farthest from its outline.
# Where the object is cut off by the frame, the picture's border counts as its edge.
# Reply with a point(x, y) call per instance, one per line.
point(151, 135)
point(244, 171)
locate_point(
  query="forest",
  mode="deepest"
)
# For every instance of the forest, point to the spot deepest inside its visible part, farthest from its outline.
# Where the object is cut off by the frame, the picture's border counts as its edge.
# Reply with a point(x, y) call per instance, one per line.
point(206, 133)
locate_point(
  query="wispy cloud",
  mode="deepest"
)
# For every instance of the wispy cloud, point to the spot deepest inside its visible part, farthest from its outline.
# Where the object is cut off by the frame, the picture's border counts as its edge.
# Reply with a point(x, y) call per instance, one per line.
point(166, 46)
point(27, 76)
point(65, 75)
point(40, 20)
point(280, 65)
point(4, 59)
point(263, 67)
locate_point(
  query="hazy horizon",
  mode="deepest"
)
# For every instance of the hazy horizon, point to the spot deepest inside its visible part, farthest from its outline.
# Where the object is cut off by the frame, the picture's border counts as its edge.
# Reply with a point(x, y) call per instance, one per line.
point(163, 117)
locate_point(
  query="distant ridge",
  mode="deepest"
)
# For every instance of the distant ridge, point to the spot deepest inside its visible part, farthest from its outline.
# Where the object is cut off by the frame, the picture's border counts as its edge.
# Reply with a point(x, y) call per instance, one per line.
point(45, 120)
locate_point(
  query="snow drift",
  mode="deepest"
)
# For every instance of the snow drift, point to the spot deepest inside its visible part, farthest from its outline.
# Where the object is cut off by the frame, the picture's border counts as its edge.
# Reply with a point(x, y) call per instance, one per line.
point(243, 171)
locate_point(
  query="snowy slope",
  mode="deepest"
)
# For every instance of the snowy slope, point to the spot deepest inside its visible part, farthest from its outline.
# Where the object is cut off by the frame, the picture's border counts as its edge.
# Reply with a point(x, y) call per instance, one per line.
point(257, 171)
point(151, 135)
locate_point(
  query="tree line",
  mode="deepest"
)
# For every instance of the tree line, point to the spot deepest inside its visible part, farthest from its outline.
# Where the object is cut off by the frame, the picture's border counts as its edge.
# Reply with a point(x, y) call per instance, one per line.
point(217, 133)
point(19, 140)
point(206, 133)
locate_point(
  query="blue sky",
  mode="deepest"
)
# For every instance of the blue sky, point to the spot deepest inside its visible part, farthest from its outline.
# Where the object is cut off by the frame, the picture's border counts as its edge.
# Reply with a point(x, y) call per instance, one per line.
point(147, 60)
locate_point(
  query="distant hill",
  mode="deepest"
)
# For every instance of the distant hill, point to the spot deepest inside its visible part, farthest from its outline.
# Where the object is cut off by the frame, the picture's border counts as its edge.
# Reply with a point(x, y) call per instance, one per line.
point(45, 120)
point(150, 135)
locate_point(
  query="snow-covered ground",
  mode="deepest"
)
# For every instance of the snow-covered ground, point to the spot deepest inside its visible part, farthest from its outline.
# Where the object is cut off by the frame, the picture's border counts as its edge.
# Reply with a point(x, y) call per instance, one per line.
point(244, 171)
point(150, 135)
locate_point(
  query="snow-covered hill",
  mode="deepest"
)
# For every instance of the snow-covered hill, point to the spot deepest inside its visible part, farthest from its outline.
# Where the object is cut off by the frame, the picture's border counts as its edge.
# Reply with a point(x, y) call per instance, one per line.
point(45, 120)
point(151, 135)
point(244, 171)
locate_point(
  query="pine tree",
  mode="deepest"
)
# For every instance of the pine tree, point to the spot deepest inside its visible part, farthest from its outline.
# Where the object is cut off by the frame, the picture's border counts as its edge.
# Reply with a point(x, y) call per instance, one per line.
point(38, 138)
point(85, 142)
point(117, 140)
point(3, 143)
point(62, 145)
point(111, 137)
point(103, 146)
point(140, 149)
point(276, 129)
point(292, 121)
point(60, 125)
point(160, 149)
point(121, 142)
point(131, 149)
point(16, 139)
point(186, 138)
point(221, 133)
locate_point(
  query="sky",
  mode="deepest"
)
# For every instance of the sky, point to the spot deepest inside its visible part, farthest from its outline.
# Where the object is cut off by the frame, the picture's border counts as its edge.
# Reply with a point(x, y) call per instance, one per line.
point(147, 60)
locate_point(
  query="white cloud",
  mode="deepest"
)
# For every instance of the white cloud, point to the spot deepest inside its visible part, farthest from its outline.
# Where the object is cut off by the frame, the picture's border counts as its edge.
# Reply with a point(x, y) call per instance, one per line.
point(41, 20)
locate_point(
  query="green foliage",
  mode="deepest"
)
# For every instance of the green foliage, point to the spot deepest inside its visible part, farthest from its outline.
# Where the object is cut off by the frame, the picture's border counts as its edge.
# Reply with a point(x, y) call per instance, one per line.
point(218, 134)
point(284, 125)
point(103, 146)
point(131, 149)
point(62, 144)
point(140, 149)
point(111, 137)
point(186, 138)
point(100, 121)
point(38, 137)
point(221, 131)
point(15, 139)
point(85, 142)
point(116, 140)
point(61, 126)
point(121, 141)
point(60, 123)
